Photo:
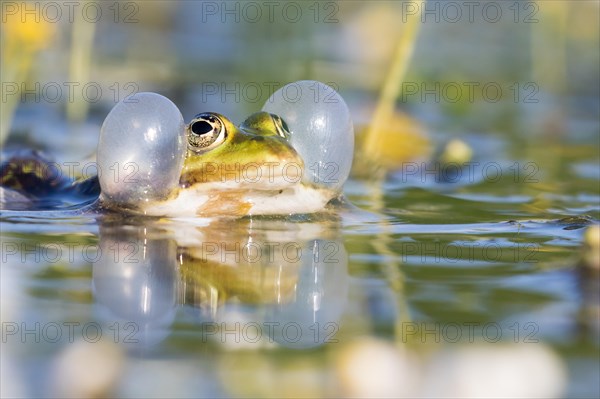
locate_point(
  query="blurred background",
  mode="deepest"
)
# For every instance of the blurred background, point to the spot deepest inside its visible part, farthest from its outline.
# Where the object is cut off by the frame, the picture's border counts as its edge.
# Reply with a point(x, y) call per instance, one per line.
point(524, 69)
point(512, 82)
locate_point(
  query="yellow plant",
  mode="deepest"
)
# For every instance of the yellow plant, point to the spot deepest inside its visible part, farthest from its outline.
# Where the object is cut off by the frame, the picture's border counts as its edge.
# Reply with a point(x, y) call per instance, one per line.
point(393, 137)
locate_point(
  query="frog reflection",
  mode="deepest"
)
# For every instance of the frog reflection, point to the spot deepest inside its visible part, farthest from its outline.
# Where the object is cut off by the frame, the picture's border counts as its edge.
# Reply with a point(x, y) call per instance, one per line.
point(282, 272)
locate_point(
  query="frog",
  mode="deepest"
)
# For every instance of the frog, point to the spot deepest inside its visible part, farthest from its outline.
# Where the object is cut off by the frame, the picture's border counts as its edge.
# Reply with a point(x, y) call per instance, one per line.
point(228, 170)
point(250, 169)
point(291, 157)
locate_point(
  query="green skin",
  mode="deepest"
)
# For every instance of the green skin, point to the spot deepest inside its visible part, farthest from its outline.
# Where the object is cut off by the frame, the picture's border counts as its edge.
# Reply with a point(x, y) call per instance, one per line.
point(262, 139)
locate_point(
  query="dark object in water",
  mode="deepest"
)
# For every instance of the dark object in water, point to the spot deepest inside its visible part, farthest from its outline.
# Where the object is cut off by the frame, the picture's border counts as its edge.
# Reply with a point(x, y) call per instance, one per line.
point(28, 175)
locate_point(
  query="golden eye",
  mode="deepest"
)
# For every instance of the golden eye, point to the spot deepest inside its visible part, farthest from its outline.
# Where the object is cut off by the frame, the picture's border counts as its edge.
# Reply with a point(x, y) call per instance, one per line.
point(205, 132)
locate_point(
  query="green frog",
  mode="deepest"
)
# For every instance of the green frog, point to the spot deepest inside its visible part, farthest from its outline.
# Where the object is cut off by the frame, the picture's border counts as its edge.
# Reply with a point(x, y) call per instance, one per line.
point(229, 170)
point(207, 167)
point(236, 171)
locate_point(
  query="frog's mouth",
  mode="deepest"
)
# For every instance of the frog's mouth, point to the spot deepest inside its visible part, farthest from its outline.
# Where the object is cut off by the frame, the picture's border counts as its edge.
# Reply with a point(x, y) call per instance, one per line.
point(261, 188)
point(266, 175)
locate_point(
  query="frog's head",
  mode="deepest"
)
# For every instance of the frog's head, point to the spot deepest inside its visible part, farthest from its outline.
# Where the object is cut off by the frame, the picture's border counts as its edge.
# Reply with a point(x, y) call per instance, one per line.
point(211, 167)
point(255, 155)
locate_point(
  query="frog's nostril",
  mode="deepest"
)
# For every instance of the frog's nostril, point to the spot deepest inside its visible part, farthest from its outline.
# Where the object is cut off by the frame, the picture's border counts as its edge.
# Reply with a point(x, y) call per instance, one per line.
point(201, 127)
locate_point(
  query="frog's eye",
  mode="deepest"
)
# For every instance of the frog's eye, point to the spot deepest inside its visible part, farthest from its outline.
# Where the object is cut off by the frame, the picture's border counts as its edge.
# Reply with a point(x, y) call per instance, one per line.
point(281, 126)
point(205, 132)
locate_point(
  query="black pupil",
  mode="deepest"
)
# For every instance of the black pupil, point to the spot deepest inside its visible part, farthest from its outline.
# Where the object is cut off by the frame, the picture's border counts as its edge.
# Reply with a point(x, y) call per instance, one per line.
point(201, 127)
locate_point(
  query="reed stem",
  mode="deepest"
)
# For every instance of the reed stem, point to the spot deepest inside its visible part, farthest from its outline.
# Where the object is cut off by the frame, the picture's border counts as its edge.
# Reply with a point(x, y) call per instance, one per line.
point(392, 86)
